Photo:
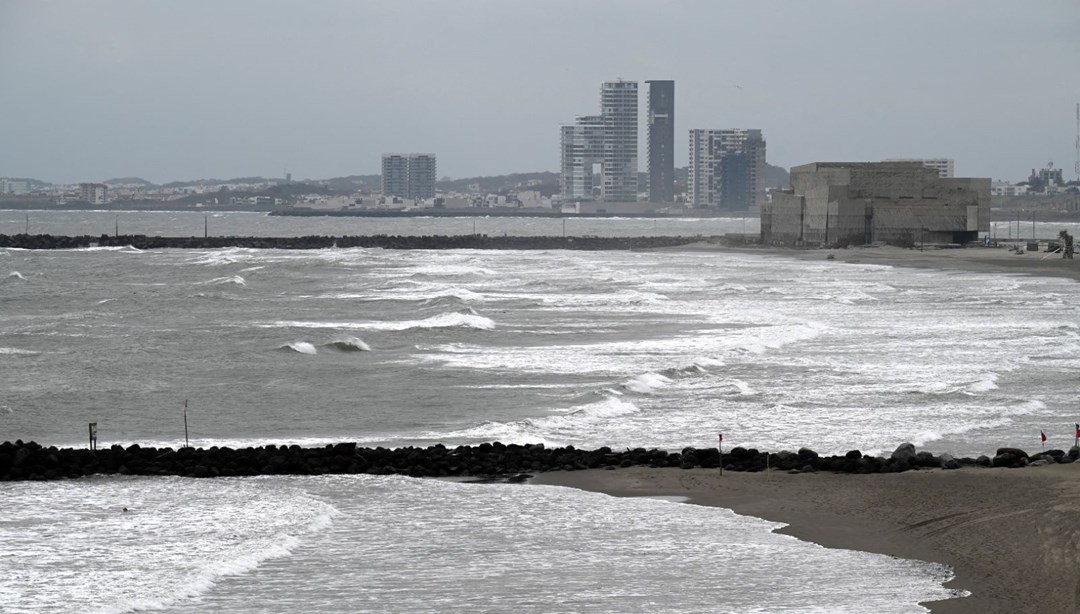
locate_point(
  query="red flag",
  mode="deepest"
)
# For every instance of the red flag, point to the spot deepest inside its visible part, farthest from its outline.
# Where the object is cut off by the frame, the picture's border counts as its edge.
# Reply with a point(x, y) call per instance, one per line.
point(721, 435)
point(1043, 435)
point(1078, 430)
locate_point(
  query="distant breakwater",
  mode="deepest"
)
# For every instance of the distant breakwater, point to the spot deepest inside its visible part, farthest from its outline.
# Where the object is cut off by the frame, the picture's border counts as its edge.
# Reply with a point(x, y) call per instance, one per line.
point(475, 241)
point(31, 461)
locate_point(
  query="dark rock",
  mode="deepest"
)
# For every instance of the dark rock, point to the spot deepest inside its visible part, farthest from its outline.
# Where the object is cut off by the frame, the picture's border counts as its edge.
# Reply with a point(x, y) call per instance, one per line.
point(906, 451)
point(1017, 452)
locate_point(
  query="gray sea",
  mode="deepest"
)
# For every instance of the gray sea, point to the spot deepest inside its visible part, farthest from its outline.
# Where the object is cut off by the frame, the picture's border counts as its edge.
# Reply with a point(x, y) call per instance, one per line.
point(393, 348)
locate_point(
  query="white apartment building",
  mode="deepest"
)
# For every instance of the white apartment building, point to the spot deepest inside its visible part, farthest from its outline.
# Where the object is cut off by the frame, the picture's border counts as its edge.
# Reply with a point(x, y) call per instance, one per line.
point(599, 153)
point(410, 176)
point(94, 193)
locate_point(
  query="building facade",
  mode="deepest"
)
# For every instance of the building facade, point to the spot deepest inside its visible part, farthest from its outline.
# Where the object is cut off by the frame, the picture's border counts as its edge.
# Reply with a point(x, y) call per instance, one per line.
point(410, 176)
point(94, 193)
point(661, 134)
point(945, 167)
point(619, 112)
point(856, 203)
point(582, 157)
point(727, 169)
point(599, 153)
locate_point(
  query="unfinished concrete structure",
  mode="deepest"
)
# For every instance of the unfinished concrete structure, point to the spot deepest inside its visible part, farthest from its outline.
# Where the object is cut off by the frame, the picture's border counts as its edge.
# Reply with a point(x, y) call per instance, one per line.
point(856, 203)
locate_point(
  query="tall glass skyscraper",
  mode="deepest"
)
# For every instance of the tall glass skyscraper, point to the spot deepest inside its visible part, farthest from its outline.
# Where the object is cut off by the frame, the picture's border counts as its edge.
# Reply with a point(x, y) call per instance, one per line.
point(661, 141)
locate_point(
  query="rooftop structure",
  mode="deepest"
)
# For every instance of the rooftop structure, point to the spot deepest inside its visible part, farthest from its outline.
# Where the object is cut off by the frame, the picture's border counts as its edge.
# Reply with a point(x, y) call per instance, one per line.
point(944, 166)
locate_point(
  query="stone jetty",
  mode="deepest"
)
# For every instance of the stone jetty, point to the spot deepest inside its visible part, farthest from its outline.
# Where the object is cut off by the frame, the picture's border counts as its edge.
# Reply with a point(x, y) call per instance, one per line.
point(477, 241)
point(31, 461)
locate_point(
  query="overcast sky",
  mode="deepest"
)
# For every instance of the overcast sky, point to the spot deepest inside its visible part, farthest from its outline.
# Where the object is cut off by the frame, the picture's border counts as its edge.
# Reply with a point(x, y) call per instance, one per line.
point(183, 89)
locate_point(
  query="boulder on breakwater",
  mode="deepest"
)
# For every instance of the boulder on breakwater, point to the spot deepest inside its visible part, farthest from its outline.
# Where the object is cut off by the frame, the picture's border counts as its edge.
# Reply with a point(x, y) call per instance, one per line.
point(25, 241)
point(31, 461)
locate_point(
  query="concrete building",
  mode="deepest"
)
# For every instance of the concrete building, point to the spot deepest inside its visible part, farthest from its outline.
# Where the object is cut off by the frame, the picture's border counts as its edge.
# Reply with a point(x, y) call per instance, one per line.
point(903, 203)
point(582, 158)
point(600, 152)
point(661, 141)
point(410, 176)
point(94, 193)
point(15, 187)
point(944, 166)
point(395, 175)
point(422, 175)
point(727, 169)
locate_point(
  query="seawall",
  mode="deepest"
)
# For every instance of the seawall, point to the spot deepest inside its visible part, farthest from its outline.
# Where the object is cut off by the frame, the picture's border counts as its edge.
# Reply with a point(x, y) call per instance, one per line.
point(25, 241)
point(31, 461)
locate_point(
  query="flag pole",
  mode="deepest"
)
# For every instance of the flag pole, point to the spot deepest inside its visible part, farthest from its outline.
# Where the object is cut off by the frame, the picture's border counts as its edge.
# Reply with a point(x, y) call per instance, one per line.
point(186, 444)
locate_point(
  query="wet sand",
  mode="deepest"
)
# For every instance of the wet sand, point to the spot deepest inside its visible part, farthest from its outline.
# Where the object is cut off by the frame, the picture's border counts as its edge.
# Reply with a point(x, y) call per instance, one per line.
point(975, 259)
point(1012, 536)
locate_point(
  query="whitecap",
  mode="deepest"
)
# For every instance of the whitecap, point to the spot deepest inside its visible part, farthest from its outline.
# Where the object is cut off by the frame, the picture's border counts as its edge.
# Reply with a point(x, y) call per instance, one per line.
point(15, 276)
point(443, 320)
point(301, 347)
point(647, 383)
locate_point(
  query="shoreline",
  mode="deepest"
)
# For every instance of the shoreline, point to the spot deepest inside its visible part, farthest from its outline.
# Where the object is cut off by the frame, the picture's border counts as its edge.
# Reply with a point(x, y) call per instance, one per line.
point(1011, 536)
point(970, 259)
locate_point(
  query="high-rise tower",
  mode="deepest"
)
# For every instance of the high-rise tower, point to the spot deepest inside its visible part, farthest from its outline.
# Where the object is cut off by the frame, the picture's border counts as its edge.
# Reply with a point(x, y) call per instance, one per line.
point(661, 141)
point(619, 114)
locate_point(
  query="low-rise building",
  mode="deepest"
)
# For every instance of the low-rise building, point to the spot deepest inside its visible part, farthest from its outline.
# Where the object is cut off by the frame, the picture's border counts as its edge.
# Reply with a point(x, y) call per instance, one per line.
point(846, 203)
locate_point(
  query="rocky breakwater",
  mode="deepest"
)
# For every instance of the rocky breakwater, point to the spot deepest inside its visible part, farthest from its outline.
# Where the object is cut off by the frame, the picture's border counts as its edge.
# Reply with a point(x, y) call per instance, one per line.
point(31, 461)
point(24, 241)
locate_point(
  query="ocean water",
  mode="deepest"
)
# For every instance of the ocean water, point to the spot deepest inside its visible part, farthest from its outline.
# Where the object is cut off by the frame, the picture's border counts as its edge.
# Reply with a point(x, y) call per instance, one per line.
point(624, 349)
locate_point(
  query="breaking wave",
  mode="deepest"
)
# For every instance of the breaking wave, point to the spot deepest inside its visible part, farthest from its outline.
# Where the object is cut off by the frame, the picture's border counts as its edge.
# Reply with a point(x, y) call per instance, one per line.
point(553, 429)
point(443, 320)
point(349, 344)
point(300, 347)
point(235, 280)
point(15, 276)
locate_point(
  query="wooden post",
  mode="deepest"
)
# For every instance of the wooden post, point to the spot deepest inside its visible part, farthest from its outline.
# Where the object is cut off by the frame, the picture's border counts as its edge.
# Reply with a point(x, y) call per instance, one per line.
point(206, 226)
point(186, 444)
point(93, 435)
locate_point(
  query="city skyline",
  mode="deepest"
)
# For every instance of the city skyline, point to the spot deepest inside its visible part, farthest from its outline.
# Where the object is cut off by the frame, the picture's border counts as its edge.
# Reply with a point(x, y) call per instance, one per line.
point(171, 91)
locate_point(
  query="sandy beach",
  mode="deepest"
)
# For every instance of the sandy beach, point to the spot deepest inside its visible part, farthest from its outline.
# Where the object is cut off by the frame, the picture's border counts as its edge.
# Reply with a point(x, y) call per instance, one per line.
point(1012, 536)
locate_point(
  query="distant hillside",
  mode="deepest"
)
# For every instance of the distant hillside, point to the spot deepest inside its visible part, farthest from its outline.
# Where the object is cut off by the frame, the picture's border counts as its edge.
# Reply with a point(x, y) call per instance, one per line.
point(128, 181)
point(542, 181)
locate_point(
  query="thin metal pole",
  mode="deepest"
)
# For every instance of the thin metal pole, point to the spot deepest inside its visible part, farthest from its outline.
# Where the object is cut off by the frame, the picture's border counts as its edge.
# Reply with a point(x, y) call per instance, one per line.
point(27, 223)
point(186, 443)
point(116, 233)
point(206, 226)
point(720, 448)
